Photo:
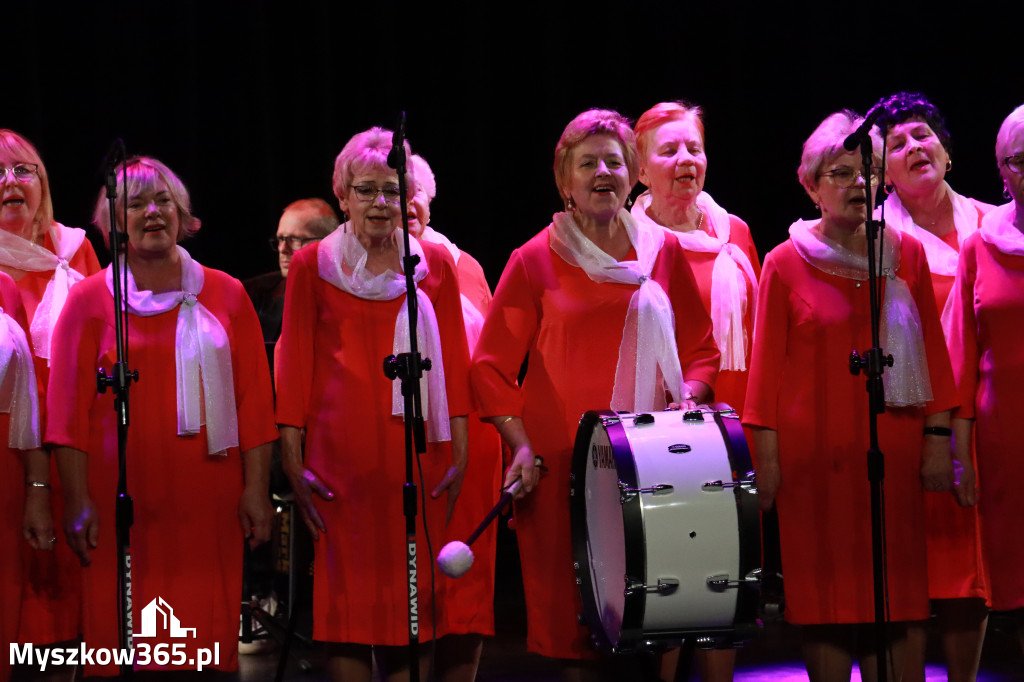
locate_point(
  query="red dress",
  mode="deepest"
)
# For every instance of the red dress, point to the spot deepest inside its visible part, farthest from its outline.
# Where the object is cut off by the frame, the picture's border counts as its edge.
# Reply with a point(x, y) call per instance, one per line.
point(800, 386)
point(186, 543)
point(571, 327)
point(329, 381)
point(52, 593)
point(988, 361)
point(12, 499)
point(470, 605)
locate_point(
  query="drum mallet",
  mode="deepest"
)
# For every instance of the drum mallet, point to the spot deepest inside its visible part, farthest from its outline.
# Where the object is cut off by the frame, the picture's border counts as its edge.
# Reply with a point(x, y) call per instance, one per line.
point(456, 557)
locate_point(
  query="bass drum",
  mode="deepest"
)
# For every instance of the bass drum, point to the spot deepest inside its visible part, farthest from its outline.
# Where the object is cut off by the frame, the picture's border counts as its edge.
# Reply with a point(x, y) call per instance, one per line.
point(665, 528)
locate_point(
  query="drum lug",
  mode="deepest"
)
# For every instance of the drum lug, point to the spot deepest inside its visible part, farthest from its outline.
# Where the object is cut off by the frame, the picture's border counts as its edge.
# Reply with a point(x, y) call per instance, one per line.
point(609, 421)
point(746, 484)
point(720, 583)
point(627, 494)
point(664, 586)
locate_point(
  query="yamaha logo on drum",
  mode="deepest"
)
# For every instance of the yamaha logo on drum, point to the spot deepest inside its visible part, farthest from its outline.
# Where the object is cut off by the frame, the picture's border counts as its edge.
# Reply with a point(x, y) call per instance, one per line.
point(601, 456)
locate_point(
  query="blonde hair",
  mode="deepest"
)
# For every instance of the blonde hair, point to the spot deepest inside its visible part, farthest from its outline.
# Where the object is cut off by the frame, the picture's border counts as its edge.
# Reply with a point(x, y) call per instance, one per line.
point(1009, 126)
point(826, 143)
point(20, 148)
point(367, 150)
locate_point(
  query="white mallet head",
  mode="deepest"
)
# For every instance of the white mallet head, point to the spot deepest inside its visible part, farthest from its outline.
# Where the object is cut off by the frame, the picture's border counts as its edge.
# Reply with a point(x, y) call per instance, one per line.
point(454, 559)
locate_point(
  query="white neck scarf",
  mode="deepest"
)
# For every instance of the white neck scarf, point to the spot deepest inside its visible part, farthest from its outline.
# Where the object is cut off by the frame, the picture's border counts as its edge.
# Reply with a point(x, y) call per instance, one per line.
point(648, 335)
point(907, 382)
point(434, 237)
point(999, 230)
point(202, 353)
point(342, 263)
point(18, 394)
point(18, 252)
point(942, 258)
point(472, 317)
point(729, 276)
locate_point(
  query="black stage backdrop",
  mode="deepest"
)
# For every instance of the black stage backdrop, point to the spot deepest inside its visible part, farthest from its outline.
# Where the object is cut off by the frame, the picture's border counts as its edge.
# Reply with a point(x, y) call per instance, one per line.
point(249, 102)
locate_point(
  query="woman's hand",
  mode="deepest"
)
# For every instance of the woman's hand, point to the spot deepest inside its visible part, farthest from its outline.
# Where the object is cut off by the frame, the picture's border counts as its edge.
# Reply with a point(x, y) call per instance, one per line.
point(37, 525)
point(768, 473)
point(525, 465)
point(255, 514)
point(937, 456)
point(966, 490)
point(81, 526)
point(452, 481)
point(304, 482)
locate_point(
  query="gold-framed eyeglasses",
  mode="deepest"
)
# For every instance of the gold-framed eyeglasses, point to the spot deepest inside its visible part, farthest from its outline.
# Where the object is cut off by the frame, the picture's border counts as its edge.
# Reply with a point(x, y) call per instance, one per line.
point(22, 172)
point(294, 243)
point(370, 193)
point(1015, 163)
point(844, 176)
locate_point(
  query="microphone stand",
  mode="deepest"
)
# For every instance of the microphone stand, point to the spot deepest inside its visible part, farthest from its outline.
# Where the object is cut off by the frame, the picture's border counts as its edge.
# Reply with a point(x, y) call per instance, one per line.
point(409, 368)
point(119, 381)
point(873, 364)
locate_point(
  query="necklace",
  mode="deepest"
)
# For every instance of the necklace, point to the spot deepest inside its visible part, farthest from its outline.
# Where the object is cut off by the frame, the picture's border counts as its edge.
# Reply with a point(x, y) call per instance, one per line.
point(700, 218)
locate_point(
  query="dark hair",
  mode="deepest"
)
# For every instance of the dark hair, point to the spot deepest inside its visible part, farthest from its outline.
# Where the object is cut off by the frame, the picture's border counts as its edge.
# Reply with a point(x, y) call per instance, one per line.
point(906, 106)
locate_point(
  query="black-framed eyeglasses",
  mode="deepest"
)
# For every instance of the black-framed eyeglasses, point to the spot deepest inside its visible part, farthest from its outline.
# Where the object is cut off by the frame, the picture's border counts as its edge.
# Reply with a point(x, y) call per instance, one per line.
point(844, 177)
point(22, 172)
point(370, 193)
point(294, 243)
point(1015, 163)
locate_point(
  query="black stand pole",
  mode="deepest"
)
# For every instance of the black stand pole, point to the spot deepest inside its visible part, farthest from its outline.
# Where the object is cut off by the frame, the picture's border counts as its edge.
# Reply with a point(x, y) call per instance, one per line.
point(119, 381)
point(409, 367)
point(873, 365)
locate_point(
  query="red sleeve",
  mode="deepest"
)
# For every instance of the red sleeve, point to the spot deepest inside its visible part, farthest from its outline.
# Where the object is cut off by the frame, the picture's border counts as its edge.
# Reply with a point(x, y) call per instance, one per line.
point(507, 336)
point(293, 356)
point(962, 335)
point(13, 306)
point(740, 236)
point(770, 341)
point(695, 340)
point(254, 397)
point(84, 260)
point(72, 386)
point(448, 309)
point(473, 283)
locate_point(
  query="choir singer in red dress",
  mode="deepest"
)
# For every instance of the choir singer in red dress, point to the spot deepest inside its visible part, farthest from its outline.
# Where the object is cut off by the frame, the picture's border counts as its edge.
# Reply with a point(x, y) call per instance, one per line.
point(810, 414)
point(569, 298)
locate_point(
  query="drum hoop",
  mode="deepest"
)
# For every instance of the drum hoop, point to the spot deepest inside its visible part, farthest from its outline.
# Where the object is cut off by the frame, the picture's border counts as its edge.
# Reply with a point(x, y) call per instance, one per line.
point(632, 521)
point(748, 518)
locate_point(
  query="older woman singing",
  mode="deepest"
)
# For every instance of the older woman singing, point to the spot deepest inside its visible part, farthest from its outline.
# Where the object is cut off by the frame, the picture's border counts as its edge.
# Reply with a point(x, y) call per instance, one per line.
point(986, 309)
point(921, 203)
point(810, 414)
point(45, 259)
point(345, 310)
point(568, 298)
point(198, 451)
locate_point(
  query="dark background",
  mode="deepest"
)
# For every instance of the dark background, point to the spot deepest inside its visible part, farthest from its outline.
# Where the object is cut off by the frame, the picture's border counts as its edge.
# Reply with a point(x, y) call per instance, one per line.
point(249, 102)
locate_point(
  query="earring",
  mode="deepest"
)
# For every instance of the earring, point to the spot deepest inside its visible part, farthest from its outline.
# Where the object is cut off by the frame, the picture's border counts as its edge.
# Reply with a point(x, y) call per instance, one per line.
point(890, 188)
point(570, 204)
point(629, 203)
point(949, 164)
point(1006, 192)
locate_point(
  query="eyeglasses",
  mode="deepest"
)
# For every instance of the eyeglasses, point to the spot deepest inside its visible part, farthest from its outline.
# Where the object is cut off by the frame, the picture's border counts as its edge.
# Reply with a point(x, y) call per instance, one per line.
point(294, 243)
point(22, 172)
point(370, 193)
point(844, 177)
point(1015, 163)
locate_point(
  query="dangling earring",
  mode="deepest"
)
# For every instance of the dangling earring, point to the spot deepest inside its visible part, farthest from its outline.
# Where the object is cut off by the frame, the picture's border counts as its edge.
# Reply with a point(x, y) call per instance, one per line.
point(1006, 192)
point(629, 203)
point(570, 204)
point(890, 188)
point(949, 164)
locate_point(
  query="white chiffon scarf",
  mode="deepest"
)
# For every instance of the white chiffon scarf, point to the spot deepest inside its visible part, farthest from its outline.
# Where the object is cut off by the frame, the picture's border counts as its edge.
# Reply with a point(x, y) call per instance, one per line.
point(471, 316)
point(648, 361)
point(18, 252)
point(202, 355)
point(18, 394)
point(730, 274)
point(942, 258)
point(907, 383)
point(341, 261)
point(998, 229)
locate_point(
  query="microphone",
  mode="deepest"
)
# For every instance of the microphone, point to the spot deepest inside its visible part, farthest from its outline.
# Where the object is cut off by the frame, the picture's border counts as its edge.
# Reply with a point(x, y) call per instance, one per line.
point(114, 155)
point(854, 139)
point(396, 157)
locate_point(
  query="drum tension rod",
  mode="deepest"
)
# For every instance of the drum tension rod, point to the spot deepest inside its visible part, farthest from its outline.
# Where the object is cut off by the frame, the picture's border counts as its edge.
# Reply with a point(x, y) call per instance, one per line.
point(720, 583)
point(746, 483)
point(664, 586)
point(627, 494)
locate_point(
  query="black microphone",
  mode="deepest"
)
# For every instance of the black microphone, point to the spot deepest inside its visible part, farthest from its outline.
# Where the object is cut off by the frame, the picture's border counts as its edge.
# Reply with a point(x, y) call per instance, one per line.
point(396, 157)
point(854, 139)
point(114, 156)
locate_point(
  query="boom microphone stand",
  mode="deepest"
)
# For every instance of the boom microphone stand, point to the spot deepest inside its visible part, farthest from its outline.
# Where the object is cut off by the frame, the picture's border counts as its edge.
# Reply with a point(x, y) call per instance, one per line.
point(119, 382)
point(409, 368)
point(873, 364)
